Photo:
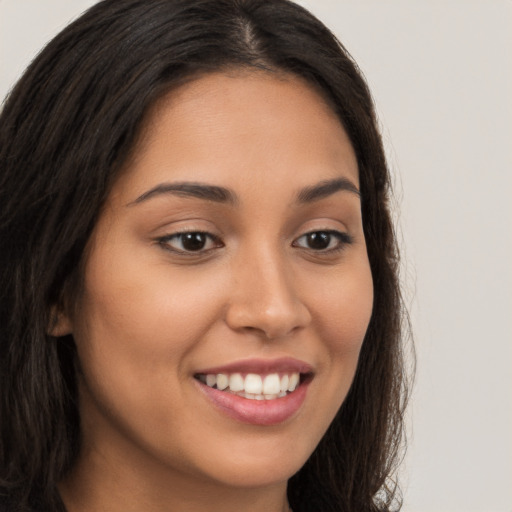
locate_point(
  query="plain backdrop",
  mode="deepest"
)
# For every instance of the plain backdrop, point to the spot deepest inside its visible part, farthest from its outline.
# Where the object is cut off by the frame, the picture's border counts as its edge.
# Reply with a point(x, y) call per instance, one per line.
point(441, 75)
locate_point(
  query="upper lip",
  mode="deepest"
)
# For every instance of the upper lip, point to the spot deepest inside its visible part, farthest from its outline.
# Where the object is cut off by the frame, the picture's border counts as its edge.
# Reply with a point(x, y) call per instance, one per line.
point(261, 366)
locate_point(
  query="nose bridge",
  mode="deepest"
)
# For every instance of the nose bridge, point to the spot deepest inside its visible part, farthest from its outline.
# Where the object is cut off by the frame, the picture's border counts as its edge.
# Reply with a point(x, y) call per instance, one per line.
point(265, 297)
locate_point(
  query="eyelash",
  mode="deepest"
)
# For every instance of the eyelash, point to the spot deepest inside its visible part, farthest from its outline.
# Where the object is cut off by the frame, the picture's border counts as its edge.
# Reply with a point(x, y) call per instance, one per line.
point(165, 242)
point(343, 240)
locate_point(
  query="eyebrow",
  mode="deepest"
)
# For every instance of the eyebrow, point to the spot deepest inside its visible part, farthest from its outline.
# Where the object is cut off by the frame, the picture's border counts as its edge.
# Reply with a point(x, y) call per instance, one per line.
point(218, 194)
point(325, 189)
point(189, 189)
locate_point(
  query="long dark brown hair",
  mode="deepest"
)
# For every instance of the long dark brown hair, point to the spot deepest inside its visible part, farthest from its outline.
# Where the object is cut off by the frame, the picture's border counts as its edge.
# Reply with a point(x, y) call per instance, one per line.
point(66, 129)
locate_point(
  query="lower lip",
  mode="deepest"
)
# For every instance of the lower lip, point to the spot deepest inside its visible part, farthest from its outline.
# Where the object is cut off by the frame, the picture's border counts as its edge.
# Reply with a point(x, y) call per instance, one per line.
point(257, 412)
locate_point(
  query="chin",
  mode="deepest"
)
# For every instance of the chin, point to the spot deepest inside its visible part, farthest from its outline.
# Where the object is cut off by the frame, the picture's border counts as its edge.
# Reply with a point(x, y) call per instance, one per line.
point(254, 474)
point(261, 462)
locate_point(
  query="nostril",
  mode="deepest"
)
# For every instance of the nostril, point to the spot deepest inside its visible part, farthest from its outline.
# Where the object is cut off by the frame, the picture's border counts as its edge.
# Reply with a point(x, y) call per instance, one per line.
point(269, 323)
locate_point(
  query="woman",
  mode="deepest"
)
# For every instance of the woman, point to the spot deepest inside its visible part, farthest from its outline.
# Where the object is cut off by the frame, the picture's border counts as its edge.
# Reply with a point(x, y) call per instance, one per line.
point(199, 307)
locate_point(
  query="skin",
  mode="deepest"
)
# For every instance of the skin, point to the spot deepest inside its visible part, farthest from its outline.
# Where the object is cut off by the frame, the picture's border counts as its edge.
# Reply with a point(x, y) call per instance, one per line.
point(150, 315)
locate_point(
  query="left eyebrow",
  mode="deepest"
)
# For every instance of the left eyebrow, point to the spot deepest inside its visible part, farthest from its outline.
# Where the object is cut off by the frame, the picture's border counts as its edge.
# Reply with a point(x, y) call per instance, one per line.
point(325, 189)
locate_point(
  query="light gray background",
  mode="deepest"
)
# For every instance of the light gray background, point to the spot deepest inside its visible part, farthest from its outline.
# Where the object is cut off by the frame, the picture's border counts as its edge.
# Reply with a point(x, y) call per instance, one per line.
point(441, 75)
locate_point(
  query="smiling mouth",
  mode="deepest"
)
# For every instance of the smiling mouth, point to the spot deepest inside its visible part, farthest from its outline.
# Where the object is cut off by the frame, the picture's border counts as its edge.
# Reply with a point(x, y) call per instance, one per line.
point(255, 386)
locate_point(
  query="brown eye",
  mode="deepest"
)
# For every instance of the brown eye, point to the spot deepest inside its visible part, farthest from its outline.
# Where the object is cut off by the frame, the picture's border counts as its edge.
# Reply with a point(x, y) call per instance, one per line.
point(318, 241)
point(323, 240)
point(193, 241)
point(189, 242)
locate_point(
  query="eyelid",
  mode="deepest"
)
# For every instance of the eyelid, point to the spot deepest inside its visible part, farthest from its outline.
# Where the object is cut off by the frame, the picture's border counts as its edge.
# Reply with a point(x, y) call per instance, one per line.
point(173, 240)
point(164, 241)
point(343, 237)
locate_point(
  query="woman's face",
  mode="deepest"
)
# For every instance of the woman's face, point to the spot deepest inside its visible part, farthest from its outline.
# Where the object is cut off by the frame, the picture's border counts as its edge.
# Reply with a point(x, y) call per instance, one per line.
point(229, 259)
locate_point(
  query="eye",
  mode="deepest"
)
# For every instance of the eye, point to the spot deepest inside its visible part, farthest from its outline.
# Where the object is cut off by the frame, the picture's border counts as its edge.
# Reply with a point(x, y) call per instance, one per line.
point(323, 241)
point(190, 242)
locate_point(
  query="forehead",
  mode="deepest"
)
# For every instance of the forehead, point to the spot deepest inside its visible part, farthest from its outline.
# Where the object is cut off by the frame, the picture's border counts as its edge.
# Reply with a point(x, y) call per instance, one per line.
point(243, 125)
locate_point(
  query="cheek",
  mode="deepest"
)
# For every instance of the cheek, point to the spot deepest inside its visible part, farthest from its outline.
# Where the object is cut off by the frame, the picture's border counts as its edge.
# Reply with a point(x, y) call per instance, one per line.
point(143, 310)
point(134, 328)
point(341, 309)
point(133, 332)
point(344, 308)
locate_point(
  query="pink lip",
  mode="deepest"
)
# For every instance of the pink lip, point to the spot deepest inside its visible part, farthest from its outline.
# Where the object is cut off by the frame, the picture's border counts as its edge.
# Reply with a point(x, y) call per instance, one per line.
point(261, 366)
point(257, 412)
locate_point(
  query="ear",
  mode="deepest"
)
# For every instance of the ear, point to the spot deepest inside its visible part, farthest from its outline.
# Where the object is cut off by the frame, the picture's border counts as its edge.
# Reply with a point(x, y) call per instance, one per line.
point(60, 322)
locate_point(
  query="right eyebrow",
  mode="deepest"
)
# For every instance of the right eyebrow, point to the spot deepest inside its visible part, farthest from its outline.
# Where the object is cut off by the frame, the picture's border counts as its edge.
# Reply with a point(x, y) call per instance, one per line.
point(189, 189)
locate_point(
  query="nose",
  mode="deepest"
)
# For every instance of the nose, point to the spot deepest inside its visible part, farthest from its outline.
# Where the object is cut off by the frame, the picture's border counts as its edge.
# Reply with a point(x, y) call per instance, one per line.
point(265, 299)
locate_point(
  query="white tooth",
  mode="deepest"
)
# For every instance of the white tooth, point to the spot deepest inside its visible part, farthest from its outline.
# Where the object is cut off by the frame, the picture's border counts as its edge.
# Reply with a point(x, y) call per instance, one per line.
point(284, 383)
point(211, 380)
point(281, 394)
point(294, 381)
point(271, 384)
point(222, 381)
point(236, 383)
point(271, 397)
point(253, 384)
point(251, 396)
